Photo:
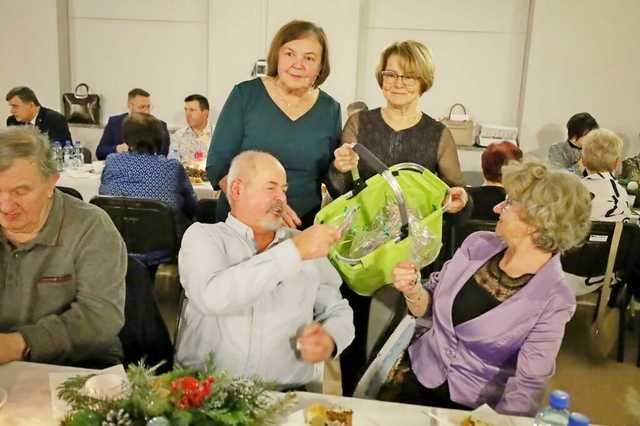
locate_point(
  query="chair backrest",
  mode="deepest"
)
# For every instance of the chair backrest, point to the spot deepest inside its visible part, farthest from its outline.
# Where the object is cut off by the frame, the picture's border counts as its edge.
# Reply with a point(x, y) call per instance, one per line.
point(144, 334)
point(146, 225)
point(206, 210)
point(590, 259)
point(454, 235)
point(71, 191)
point(385, 313)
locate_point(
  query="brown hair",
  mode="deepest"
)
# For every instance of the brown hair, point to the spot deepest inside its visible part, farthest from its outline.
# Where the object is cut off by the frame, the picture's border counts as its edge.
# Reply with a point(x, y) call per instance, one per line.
point(296, 30)
point(24, 93)
point(417, 60)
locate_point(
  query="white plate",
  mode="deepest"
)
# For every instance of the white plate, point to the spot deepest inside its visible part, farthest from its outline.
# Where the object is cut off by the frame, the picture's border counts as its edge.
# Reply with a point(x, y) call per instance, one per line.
point(3, 397)
point(359, 419)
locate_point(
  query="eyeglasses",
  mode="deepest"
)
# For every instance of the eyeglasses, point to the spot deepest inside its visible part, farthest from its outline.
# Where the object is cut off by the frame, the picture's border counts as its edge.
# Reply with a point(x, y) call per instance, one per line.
point(507, 203)
point(392, 77)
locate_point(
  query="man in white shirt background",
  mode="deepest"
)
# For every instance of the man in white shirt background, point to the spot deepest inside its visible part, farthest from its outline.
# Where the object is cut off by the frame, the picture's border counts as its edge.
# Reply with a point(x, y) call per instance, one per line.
point(262, 299)
point(190, 144)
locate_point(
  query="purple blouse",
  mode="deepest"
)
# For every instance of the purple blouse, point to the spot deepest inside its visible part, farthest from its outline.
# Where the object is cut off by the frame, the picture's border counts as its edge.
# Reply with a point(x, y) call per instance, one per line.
point(505, 356)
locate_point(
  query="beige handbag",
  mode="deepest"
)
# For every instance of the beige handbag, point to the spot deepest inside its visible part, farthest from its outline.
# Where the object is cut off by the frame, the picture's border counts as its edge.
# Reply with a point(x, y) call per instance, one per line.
point(462, 130)
point(604, 329)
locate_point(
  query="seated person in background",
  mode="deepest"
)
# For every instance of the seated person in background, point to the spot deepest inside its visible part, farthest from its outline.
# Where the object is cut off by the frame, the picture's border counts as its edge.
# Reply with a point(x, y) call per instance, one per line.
point(62, 264)
point(190, 144)
point(491, 192)
point(261, 298)
point(500, 305)
point(139, 100)
point(356, 107)
point(141, 172)
point(567, 154)
point(601, 153)
point(26, 109)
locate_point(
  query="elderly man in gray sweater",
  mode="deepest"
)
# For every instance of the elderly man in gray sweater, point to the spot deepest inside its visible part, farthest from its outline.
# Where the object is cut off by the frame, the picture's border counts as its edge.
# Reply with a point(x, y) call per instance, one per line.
point(62, 264)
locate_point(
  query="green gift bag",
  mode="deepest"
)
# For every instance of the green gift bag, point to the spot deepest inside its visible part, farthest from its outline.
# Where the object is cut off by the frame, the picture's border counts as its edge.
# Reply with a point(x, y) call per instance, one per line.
point(405, 183)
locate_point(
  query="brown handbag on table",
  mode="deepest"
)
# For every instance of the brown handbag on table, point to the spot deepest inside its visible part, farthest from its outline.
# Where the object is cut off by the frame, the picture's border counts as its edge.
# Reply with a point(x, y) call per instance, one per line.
point(81, 107)
point(462, 131)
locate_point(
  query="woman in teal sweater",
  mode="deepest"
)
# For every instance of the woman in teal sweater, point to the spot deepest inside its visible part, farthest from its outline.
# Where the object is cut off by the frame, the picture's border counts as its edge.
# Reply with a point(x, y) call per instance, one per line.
point(286, 115)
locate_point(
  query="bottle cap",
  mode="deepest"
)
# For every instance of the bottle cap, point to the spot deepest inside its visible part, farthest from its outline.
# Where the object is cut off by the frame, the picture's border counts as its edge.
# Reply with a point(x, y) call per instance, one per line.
point(559, 400)
point(578, 419)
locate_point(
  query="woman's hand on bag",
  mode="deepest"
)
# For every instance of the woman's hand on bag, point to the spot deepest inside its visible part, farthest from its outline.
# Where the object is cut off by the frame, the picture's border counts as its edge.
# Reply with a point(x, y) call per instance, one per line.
point(457, 199)
point(405, 278)
point(345, 158)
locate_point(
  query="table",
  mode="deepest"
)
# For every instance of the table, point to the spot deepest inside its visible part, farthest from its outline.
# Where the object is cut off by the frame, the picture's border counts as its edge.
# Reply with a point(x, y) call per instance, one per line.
point(88, 183)
point(29, 402)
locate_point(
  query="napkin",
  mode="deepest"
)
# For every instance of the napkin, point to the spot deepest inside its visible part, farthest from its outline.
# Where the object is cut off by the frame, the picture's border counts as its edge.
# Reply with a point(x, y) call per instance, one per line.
point(483, 413)
point(59, 408)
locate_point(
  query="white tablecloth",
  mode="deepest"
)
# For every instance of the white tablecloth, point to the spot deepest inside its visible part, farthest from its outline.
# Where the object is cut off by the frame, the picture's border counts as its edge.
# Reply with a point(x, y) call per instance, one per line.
point(88, 183)
point(30, 402)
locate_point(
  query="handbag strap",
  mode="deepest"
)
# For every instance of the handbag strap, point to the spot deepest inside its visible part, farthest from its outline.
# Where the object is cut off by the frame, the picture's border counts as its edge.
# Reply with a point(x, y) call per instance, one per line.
point(453, 107)
point(81, 96)
point(608, 276)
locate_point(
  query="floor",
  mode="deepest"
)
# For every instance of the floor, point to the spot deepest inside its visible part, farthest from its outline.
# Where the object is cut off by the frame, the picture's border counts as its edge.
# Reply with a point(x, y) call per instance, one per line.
point(607, 391)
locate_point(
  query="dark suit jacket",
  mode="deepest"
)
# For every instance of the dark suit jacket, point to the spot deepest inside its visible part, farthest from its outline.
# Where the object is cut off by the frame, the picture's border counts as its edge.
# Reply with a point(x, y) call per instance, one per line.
point(50, 122)
point(112, 137)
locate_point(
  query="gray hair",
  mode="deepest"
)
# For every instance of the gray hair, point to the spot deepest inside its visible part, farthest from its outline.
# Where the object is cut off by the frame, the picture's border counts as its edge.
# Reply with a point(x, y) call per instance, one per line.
point(555, 202)
point(245, 165)
point(26, 142)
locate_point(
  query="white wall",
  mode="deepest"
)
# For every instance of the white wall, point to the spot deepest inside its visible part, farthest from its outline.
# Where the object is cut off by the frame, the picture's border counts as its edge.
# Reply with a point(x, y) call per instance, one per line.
point(158, 45)
point(29, 50)
point(477, 48)
point(584, 56)
point(247, 27)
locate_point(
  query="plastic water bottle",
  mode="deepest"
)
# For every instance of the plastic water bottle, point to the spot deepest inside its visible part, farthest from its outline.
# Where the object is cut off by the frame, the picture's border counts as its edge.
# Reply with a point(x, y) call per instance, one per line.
point(578, 419)
point(67, 153)
point(57, 155)
point(557, 413)
point(78, 155)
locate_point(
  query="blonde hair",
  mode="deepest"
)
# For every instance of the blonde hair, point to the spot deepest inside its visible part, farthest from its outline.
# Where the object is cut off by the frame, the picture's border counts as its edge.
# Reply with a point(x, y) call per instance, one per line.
point(417, 61)
point(600, 150)
point(555, 202)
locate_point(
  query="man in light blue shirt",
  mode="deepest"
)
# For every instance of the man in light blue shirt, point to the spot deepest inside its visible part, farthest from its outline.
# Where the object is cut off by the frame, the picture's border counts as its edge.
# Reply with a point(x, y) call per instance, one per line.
point(261, 298)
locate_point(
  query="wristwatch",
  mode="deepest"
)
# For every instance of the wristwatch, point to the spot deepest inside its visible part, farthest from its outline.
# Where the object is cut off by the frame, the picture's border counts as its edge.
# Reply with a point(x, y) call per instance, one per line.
point(26, 353)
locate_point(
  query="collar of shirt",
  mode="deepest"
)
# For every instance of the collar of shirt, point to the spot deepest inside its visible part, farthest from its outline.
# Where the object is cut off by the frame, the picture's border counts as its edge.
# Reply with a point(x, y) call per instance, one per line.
point(188, 130)
point(48, 235)
point(246, 233)
point(35, 118)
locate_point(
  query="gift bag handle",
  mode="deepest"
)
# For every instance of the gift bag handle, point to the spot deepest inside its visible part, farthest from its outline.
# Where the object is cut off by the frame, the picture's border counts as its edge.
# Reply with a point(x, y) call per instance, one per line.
point(453, 107)
point(80, 95)
point(379, 167)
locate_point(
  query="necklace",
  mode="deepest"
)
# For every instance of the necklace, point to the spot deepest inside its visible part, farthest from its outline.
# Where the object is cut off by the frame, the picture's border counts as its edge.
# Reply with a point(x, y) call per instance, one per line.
point(283, 97)
point(403, 122)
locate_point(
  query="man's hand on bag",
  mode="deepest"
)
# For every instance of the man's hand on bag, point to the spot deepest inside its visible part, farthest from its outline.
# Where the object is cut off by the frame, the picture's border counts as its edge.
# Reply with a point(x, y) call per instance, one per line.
point(316, 241)
point(315, 344)
point(345, 158)
point(458, 199)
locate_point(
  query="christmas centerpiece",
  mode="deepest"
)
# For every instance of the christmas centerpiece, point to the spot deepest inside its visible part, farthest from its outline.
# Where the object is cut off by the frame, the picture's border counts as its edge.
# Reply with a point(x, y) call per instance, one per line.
point(181, 397)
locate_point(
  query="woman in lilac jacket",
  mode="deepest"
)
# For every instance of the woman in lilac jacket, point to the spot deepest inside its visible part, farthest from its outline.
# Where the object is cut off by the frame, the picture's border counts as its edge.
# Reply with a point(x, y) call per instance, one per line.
point(500, 305)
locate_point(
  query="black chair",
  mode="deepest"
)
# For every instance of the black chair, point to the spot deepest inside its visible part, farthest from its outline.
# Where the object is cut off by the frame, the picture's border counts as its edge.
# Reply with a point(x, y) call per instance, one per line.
point(454, 235)
point(590, 260)
point(206, 210)
point(147, 227)
point(71, 191)
point(144, 335)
